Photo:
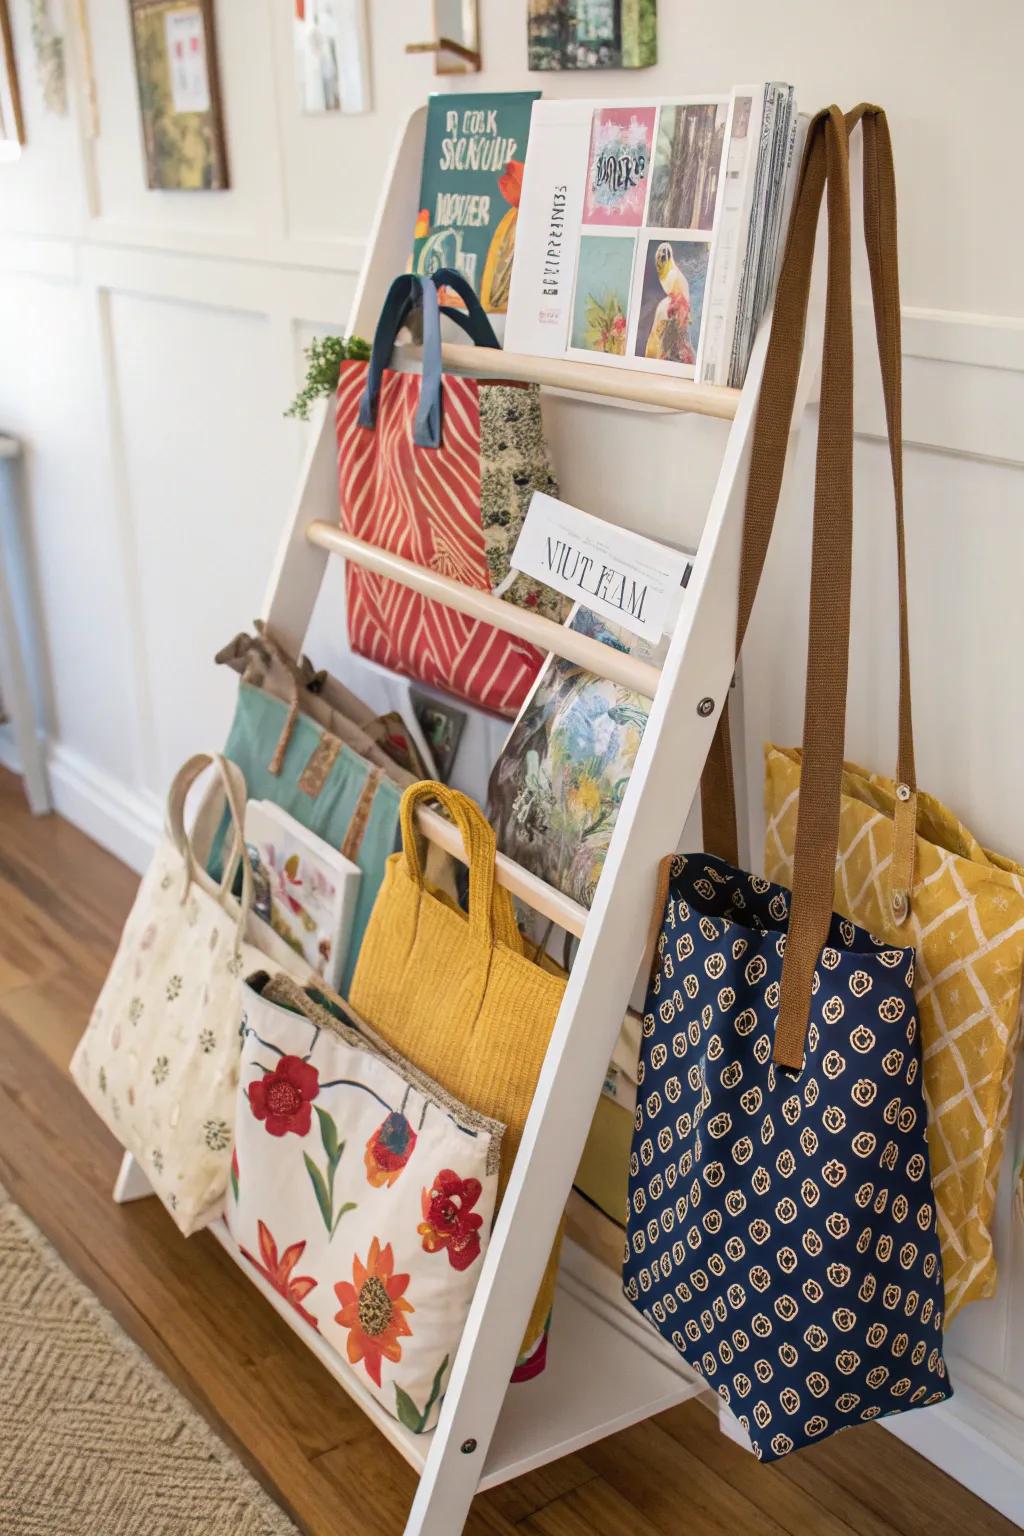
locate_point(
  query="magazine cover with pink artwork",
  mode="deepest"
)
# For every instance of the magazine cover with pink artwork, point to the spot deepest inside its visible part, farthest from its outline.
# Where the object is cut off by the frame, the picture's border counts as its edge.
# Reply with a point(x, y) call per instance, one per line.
point(621, 150)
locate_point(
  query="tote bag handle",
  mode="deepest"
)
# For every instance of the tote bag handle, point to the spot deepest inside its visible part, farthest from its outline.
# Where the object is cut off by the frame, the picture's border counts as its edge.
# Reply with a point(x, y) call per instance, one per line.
point(825, 168)
point(718, 800)
point(406, 294)
point(492, 916)
point(233, 784)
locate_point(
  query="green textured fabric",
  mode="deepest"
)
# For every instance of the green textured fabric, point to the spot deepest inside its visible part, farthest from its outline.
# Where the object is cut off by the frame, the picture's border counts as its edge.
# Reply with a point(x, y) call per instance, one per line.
point(255, 731)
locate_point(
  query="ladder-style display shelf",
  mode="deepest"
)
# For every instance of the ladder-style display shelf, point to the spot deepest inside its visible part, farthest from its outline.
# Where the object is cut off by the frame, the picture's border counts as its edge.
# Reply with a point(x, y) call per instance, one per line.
point(606, 1368)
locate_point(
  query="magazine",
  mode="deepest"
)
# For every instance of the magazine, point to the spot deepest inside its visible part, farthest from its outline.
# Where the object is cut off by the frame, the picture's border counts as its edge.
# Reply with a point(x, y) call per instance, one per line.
point(648, 230)
point(555, 790)
point(473, 159)
point(305, 890)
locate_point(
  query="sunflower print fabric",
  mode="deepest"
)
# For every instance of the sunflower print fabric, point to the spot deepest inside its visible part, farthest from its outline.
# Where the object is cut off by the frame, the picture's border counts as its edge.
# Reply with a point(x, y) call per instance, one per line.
point(781, 1230)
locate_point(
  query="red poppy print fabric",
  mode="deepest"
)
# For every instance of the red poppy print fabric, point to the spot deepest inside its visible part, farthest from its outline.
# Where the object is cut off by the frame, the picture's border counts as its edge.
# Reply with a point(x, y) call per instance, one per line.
point(283, 1096)
point(361, 1194)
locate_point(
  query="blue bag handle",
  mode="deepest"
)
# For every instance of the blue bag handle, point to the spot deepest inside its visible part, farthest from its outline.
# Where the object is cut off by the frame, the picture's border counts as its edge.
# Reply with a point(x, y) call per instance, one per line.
point(474, 320)
point(405, 294)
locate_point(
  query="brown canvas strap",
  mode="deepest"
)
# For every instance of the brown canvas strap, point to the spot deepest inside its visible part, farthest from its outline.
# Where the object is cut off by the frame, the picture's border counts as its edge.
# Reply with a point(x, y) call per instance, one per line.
point(353, 839)
point(880, 240)
point(825, 166)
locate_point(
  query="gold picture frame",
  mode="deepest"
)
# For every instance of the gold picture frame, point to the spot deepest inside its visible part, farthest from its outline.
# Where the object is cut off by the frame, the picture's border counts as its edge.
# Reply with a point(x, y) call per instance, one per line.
point(12, 123)
point(179, 95)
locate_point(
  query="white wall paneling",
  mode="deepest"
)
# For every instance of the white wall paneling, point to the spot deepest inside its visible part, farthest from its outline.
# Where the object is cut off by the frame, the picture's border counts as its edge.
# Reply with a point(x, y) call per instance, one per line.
point(150, 341)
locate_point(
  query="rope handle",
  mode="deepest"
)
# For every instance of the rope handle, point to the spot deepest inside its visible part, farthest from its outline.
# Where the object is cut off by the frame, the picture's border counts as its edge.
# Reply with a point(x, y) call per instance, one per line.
point(491, 913)
point(234, 787)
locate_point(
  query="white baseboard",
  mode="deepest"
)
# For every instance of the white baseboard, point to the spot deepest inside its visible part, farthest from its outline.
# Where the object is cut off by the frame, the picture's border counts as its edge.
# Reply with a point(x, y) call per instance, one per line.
point(126, 821)
point(976, 1437)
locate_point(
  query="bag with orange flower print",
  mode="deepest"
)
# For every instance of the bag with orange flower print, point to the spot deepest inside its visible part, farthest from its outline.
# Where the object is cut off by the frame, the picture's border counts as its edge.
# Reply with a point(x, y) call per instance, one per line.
point(361, 1192)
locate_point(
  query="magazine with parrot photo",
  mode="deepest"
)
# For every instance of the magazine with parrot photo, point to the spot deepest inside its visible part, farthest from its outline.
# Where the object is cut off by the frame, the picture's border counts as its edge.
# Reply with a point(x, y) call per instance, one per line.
point(649, 230)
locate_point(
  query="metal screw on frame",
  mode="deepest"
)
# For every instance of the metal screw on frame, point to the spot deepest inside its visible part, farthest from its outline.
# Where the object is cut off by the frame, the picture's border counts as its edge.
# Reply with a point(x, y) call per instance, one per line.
point(467, 1447)
point(705, 708)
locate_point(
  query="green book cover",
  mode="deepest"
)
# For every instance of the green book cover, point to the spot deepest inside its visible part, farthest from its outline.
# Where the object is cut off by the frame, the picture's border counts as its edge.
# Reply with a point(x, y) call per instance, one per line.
point(469, 194)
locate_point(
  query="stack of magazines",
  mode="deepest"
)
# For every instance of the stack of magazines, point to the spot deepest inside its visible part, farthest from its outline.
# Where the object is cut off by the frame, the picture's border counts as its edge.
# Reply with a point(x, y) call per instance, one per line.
point(648, 232)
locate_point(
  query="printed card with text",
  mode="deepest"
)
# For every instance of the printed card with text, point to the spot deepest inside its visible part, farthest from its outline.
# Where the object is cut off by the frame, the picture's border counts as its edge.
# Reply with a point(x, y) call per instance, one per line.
point(621, 575)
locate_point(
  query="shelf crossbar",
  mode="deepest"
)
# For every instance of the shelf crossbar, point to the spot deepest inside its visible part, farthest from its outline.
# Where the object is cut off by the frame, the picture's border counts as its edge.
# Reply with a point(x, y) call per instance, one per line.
point(603, 660)
point(634, 387)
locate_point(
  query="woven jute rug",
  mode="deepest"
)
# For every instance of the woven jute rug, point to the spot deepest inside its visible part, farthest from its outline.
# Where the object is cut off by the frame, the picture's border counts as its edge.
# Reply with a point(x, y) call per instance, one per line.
point(94, 1441)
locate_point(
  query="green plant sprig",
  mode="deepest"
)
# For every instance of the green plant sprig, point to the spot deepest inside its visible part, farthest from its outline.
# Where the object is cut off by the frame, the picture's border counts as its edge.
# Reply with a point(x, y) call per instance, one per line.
point(324, 357)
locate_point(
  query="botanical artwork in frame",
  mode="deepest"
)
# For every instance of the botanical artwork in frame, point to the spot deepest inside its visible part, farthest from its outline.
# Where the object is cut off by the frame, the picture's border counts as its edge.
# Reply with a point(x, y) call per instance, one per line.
point(592, 34)
point(179, 95)
point(12, 128)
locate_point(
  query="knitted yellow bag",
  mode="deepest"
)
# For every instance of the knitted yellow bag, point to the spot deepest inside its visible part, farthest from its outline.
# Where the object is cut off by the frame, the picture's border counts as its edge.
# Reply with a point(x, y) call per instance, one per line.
point(966, 922)
point(458, 995)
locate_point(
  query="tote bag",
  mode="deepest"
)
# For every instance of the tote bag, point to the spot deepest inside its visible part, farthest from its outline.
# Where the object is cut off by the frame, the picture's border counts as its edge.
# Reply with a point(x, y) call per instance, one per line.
point(158, 1061)
point(457, 994)
point(910, 871)
point(782, 1229)
point(966, 918)
point(440, 470)
point(332, 790)
point(361, 1192)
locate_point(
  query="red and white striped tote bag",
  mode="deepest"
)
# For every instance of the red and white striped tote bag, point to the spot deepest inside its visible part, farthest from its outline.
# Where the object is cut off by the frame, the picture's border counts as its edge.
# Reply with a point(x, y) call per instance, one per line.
point(438, 469)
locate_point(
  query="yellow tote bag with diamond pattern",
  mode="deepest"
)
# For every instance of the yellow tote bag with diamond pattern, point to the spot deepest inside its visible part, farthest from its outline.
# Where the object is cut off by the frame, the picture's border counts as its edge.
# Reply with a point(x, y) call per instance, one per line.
point(967, 923)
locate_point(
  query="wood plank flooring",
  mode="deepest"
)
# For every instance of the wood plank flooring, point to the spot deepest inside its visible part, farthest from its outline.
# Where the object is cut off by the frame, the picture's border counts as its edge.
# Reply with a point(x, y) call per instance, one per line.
point(62, 903)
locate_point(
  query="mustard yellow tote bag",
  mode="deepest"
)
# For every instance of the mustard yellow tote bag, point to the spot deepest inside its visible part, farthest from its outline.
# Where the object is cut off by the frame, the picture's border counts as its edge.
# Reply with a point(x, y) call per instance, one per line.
point(458, 994)
point(966, 920)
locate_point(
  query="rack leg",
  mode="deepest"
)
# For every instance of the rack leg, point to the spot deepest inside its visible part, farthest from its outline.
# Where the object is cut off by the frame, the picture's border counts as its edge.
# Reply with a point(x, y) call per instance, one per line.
point(730, 1426)
point(131, 1183)
point(19, 647)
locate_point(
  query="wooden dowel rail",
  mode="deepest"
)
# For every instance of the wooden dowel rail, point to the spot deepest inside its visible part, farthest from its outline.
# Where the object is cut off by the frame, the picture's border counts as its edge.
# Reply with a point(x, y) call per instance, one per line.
point(627, 384)
point(543, 898)
point(604, 660)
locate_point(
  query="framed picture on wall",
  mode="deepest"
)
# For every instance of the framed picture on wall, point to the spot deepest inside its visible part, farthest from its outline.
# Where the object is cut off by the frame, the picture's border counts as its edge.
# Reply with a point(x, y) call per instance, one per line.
point(179, 95)
point(332, 59)
point(12, 127)
point(592, 34)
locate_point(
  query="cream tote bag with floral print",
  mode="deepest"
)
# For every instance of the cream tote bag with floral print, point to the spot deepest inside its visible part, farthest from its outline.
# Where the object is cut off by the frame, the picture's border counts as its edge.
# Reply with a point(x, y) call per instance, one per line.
point(159, 1059)
point(361, 1193)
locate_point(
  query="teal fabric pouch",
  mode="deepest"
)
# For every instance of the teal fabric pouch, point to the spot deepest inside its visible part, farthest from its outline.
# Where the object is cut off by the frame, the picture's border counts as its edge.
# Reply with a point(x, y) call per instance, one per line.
point(353, 805)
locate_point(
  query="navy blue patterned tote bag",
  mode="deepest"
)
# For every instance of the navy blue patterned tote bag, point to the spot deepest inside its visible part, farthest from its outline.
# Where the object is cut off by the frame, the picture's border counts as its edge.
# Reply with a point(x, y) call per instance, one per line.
point(781, 1229)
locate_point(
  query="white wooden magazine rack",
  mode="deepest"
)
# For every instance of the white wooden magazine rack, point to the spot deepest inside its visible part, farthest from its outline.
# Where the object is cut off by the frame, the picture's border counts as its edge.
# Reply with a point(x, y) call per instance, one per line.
point(606, 1368)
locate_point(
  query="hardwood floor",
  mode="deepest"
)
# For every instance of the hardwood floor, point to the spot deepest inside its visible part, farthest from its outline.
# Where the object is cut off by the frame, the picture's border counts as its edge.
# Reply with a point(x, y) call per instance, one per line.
point(62, 903)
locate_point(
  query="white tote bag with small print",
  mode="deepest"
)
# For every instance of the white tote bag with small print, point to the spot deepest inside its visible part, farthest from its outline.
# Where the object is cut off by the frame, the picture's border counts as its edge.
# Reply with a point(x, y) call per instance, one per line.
point(159, 1058)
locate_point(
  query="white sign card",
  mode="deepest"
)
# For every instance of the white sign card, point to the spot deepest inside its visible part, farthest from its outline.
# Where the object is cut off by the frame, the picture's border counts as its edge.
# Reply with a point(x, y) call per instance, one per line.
point(621, 575)
point(186, 56)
